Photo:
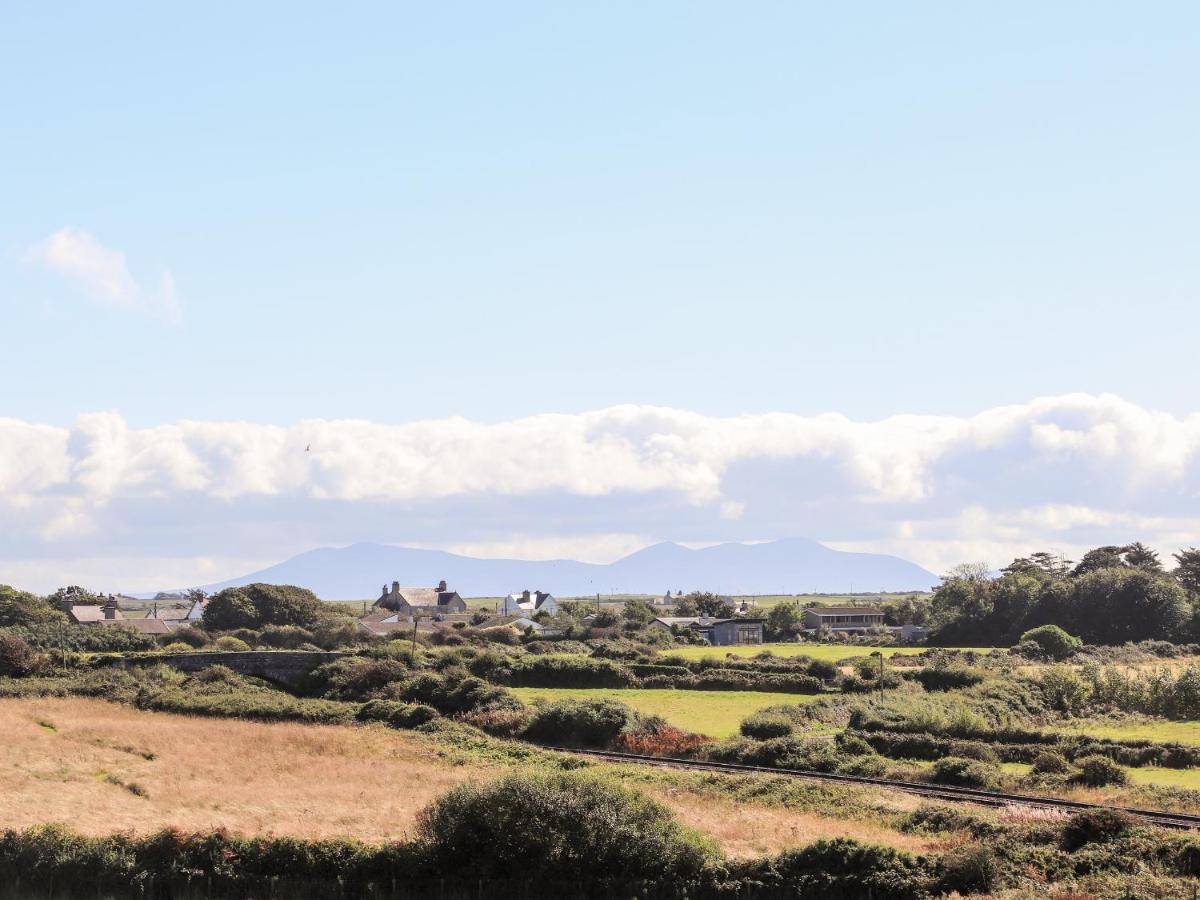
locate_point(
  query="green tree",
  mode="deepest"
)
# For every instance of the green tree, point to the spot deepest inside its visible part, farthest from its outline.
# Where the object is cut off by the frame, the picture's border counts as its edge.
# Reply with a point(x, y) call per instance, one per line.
point(637, 613)
point(1110, 557)
point(1055, 642)
point(1187, 570)
point(708, 604)
point(785, 620)
point(23, 608)
point(1139, 556)
point(1040, 563)
point(231, 608)
point(1118, 605)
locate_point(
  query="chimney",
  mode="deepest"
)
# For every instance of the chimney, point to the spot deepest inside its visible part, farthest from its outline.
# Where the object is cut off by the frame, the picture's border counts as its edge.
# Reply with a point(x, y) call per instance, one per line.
point(442, 586)
point(110, 608)
point(395, 587)
point(66, 604)
point(525, 595)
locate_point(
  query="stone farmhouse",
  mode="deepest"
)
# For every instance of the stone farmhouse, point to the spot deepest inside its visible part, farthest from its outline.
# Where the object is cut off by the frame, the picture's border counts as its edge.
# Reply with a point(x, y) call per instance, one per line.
point(527, 603)
point(109, 613)
point(418, 601)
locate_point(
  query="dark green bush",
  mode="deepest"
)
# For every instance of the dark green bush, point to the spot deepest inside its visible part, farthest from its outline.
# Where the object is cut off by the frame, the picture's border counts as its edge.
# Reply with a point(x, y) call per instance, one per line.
point(543, 671)
point(17, 658)
point(946, 678)
point(1094, 826)
point(1053, 641)
point(941, 819)
point(964, 772)
point(974, 750)
point(823, 670)
point(396, 714)
point(1050, 763)
point(842, 869)
point(559, 827)
point(584, 723)
point(970, 869)
point(354, 677)
point(1099, 771)
point(763, 726)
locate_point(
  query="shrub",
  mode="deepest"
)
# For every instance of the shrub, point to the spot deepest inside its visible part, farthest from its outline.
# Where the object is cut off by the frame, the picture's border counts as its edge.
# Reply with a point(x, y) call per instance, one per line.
point(230, 644)
point(764, 726)
point(844, 868)
point(354, 678)
point(17, 658)
point(289, 637)
point(191, 635)
point(853, 745)
point(542, 671)
point(964, 772)
point(1053, 641)
point(588, 723)
point(500, 722)
point(822, 669)
point(1099, 771)
point(178, 647)
point(396, 715)
point(939, 819)
point(1050, 763)
point(947, 678)
point(872, 766)
point(654, 737)
point(976, 750)
point(1094, 826)
point(970, 869)
point(559, 827)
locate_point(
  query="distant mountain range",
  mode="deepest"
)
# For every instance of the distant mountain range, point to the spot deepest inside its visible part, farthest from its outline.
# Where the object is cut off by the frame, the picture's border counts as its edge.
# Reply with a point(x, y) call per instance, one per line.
point(790, 566)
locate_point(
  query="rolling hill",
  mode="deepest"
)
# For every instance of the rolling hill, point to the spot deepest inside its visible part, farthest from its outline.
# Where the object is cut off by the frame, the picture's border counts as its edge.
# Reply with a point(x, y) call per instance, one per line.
point(792, 565)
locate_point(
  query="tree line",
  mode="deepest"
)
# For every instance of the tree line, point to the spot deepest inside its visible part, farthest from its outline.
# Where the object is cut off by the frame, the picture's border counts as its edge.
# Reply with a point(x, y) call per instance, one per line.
point(1112, 595)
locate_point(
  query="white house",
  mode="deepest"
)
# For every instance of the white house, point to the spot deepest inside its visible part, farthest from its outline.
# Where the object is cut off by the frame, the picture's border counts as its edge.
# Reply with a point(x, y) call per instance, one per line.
point(527, 603)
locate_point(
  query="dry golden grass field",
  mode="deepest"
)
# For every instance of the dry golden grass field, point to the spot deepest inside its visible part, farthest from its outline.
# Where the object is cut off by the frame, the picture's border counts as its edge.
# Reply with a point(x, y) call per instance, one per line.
point(100, 767)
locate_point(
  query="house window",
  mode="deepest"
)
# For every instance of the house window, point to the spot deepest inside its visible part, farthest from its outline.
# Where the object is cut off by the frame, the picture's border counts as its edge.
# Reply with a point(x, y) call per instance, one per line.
point(747, 635)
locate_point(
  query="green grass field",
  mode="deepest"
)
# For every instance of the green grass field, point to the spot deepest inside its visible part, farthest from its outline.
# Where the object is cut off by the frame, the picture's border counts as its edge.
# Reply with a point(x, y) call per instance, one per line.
point(715, 713)
point(829, 652)
point(1162, 732)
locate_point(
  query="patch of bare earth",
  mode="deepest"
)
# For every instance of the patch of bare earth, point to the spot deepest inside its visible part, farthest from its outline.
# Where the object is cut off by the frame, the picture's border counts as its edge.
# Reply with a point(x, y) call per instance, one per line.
point(100, 767)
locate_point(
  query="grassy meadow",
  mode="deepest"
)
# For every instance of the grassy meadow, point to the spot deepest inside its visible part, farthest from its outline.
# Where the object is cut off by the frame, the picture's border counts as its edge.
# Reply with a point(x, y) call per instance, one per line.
point(103, 767)
point(1161, 731)
point(827, 652)
point(714, 713)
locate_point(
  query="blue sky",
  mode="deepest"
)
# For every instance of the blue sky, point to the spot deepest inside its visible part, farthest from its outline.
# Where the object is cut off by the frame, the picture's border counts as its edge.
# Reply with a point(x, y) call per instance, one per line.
point(399, 212)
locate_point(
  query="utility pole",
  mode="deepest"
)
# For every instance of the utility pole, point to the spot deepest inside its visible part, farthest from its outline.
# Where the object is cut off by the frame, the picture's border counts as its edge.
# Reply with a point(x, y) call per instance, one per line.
point(413, 651)
point(880, 655)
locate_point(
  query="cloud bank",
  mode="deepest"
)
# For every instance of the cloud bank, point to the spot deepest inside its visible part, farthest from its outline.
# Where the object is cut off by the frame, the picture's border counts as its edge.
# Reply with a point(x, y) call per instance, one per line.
point(104, 275)
point(1059, 472)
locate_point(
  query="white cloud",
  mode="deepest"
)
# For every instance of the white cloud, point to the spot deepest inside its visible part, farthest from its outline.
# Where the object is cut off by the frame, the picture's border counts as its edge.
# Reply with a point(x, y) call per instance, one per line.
point(104, 274)
point(1058, 472)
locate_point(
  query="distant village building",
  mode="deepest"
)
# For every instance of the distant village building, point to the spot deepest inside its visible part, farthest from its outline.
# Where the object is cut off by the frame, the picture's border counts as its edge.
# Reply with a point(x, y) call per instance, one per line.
point(109, 613)
point(527, 603)
point(177, 617)
point(417, 601)
point(850, 620)
point(667, 600)
point(718, 632)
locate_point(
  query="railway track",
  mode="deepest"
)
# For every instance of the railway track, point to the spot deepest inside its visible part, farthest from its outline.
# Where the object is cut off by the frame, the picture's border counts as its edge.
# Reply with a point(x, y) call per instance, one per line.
point(1179, 821)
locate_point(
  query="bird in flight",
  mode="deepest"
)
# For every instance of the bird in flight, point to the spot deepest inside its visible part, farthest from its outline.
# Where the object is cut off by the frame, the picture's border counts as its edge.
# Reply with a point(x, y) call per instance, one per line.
point(309, 447)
